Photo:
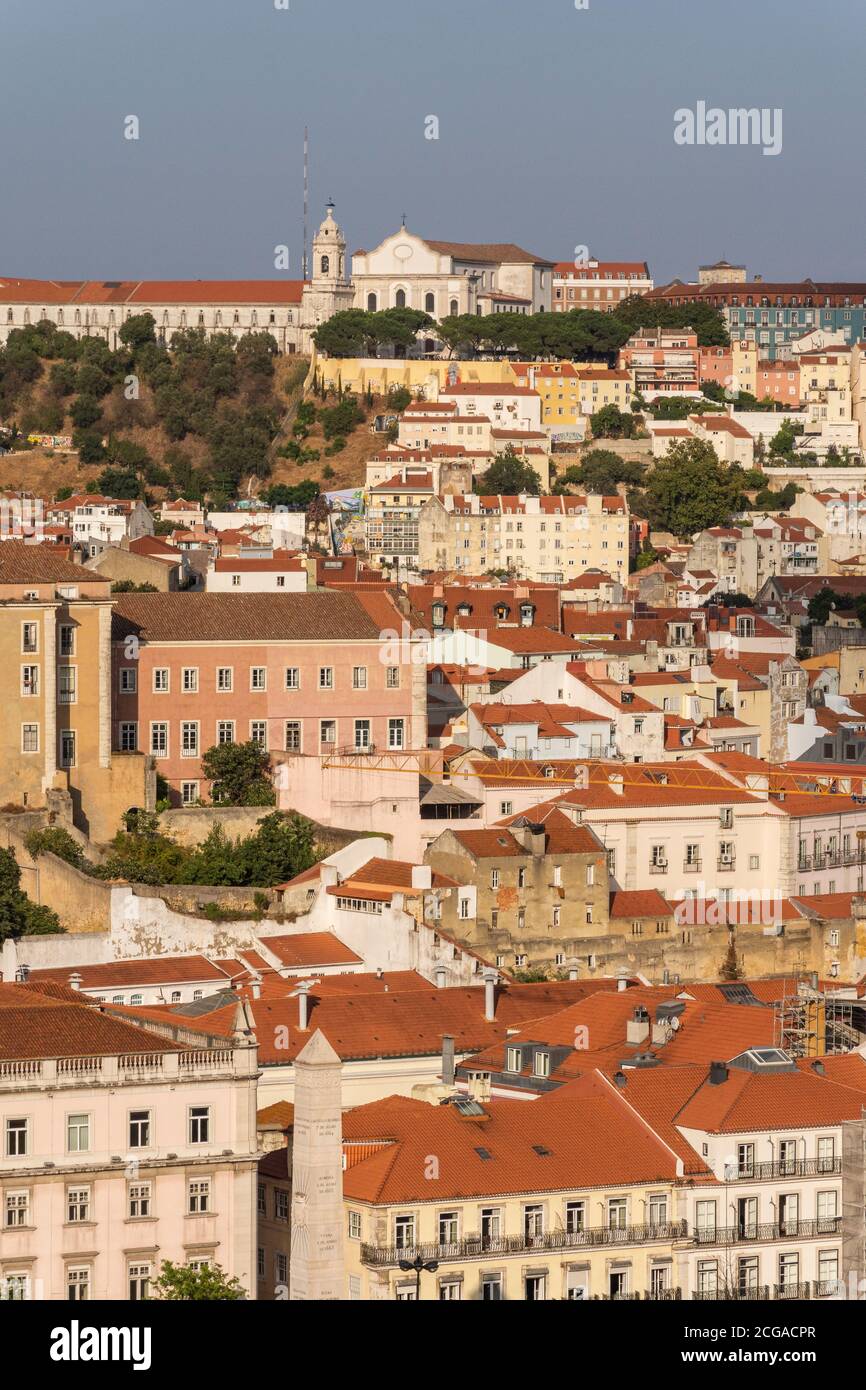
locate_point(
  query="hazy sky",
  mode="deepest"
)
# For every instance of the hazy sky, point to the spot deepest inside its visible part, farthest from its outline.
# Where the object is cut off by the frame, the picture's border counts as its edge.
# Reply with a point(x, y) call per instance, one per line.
point(555, 130)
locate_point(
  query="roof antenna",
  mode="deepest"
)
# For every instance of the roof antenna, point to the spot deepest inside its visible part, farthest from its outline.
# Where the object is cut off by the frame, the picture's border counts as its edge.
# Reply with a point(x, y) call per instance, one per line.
point(306, 194)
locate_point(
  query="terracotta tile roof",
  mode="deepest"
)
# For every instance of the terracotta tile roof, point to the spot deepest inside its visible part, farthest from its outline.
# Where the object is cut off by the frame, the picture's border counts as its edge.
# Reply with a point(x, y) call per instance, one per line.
point(327, 616)
point(146, 971)
point(556, 1143)
point(280, 560)
point(631, 904)
point(495, 252)
point(21, 563)
point(312, 949)
point(70, 1030)
point(279, 1115)
point(747, 1101)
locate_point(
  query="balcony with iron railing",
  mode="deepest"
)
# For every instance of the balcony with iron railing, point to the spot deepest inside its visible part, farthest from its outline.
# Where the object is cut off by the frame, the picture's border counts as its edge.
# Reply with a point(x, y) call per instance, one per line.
point(726, 863)
point(784, 1168)
point(809, 1289)
point(478, 1246)
point(832, 859)
point(755, 1232)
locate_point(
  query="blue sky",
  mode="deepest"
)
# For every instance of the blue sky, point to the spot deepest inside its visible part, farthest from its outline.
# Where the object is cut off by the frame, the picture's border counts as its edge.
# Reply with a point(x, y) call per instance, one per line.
point(555, 130)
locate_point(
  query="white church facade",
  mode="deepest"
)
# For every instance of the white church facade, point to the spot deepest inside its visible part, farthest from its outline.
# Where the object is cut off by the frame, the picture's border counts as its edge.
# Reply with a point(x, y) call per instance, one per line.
point(404, 271)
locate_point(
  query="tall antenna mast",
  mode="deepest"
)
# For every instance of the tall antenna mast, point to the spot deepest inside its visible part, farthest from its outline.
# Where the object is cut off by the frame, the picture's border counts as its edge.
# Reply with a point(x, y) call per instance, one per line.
point(306, 192)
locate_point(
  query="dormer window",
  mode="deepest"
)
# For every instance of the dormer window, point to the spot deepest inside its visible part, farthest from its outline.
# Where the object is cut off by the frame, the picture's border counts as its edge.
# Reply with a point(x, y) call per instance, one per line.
point(513, 1058)
point(438, 614)
point(541, 1064)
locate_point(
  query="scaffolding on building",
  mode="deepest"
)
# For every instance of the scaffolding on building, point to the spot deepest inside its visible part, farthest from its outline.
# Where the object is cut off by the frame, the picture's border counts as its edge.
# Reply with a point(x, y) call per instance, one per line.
point(813, 1022)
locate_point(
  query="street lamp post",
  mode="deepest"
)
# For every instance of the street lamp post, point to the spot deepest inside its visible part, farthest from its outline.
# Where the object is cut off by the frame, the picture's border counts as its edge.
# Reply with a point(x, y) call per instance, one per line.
point(420, 1266)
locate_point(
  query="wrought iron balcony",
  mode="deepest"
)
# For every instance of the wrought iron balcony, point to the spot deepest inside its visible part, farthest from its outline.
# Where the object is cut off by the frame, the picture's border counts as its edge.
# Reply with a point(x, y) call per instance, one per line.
point(785, 1168)
point(476, 1246)
point(758, 1232)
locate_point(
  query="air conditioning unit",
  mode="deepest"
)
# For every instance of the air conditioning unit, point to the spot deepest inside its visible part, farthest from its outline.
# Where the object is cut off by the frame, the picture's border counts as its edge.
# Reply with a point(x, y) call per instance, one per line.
point(726, 859)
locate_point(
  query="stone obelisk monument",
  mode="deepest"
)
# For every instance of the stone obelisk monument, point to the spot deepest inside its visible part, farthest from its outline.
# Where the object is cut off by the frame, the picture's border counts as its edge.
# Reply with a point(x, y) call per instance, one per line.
point(316, 1271)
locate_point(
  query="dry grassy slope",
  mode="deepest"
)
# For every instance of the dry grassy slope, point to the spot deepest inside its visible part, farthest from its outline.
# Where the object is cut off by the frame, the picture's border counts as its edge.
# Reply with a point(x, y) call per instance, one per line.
point(43, 472)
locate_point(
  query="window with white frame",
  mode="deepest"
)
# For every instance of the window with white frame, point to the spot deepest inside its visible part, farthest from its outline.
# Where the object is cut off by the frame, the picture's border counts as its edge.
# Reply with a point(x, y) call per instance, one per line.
point(225, 678)
point(78, 1133)
point(189, 680)
point(17, 1208)
point(159, 740)
point(327, 732)
point(225, 731)
point(139, 1129)
point(359, 678)
point(293, 678)
point(259, 732)
point(293, 735)
point(395, 733)
point(139, 1200)
point(258, 678)
point(189, 793)
point(392, 678)
point(78, 1204)
point(29, 681)
point(362, 733)
point(161, 680)
point(326, 677)
point(199, 1124)
point(29, 738)
point(78, 1283)
point(198, 1196)
point(139, 1281)
point(189, 738)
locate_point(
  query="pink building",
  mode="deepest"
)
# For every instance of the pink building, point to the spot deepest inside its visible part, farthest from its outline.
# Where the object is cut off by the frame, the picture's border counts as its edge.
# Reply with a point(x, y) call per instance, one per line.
point(304, 675)
point(122, 1147)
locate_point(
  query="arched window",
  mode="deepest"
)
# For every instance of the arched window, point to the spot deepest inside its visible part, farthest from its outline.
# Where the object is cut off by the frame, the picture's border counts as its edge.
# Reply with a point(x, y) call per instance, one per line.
point(77, 317)
point(8, 315)
point(372, 303)
point(430, 303)
point(455, 309)
point(201, 318)
point(400, 301)
point(326, 265)
point(273, 317)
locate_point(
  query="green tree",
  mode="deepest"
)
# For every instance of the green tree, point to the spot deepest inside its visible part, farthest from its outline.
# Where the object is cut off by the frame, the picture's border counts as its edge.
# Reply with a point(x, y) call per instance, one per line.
point(509, 475)
point(612, 423)
point(19, 916)
point(138, 330)
point(689, 490)
point(53, 839)
point(239, 773)
point(206, 1284)
point(85, 412)
point(282, 847)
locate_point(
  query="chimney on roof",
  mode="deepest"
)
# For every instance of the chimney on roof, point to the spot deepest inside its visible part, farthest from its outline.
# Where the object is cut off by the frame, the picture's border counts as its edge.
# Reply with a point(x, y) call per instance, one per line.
point(447, 1059)
point(530, 837)
point(638, 1027)
point(379, 972)
point(718, 1074)
point(491, 979)
point(75, 981)
point(621, 981)
point(302, 995)
point(441, 975)
point(256, 985)
point(422, 876)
